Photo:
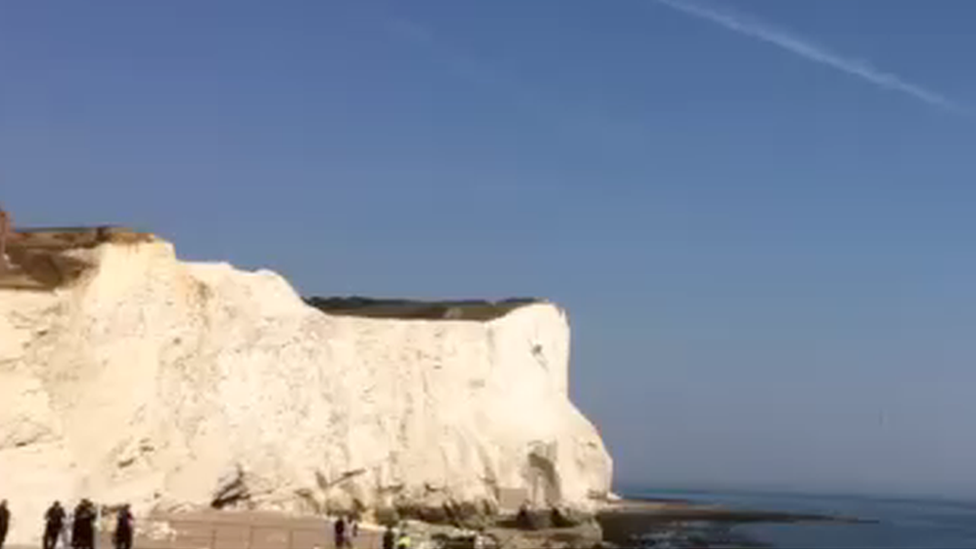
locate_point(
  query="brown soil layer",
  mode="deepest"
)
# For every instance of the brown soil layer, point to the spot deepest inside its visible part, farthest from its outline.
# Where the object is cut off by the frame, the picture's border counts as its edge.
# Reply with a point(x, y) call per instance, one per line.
point(38, 259)
point(63, 238)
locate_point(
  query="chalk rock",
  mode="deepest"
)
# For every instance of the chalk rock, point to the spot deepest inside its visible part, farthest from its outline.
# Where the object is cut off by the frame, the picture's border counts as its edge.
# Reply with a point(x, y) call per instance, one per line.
point(174, 385)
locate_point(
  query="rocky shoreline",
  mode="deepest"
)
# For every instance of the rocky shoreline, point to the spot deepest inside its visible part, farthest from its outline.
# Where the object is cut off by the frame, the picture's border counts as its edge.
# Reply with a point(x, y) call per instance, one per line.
point(620, 524)
point(651, 524)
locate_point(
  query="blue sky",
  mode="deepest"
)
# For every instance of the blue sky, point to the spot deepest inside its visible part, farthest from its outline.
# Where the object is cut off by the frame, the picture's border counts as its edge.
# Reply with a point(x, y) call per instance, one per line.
point(758, 213)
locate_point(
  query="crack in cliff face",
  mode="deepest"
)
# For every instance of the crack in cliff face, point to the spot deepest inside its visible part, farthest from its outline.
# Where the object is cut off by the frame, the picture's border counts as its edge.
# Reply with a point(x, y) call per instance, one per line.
point(325, 485)
point(539, 355)
point(24, 431)
point(541, 475)
point(135, 454)
point(232, 491)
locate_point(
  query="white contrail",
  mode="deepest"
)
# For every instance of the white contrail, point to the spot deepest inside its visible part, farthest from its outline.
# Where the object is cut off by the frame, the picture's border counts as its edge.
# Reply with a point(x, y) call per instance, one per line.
point(753, 28)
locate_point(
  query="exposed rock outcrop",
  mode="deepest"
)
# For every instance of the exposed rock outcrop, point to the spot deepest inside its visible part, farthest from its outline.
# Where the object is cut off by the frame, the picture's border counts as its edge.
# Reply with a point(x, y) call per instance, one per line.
point(174, 385)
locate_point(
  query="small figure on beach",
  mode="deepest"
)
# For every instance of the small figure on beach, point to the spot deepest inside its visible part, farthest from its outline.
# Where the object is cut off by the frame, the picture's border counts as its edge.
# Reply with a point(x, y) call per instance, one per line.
point(340, 532)
point(403, 540)
point(66, 529)
point(522, 518)
point(83, 529)
point(6, 228)
point(53, 522)
point(389, 537)
point(4, 522)
point(123, 529)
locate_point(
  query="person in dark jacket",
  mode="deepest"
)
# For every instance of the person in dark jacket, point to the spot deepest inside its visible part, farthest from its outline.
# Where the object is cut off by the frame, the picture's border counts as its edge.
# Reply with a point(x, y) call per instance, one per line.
point(53, 522)
point(76, 519)
point(6, 229)
point(4, 522)
point(389, 538)
point(340, 532)
point(123, 529)
point(83, 534)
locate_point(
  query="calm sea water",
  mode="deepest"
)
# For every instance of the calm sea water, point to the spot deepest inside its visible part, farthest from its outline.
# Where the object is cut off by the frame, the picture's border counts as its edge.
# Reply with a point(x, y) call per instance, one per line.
point(902, 522)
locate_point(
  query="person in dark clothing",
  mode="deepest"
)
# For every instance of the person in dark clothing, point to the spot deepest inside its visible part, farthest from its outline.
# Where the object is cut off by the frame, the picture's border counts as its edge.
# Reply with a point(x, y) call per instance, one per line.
point(340, 532)
point(123, 529)
point(83, 534)
point(389, 538)
point(4, 522)
point(53, 522)
point(91, 514)
point(77, 521)
point(6, 229)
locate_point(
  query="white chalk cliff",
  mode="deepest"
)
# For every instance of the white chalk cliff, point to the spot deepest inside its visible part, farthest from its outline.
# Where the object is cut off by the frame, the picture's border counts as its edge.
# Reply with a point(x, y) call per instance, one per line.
point(166, 384)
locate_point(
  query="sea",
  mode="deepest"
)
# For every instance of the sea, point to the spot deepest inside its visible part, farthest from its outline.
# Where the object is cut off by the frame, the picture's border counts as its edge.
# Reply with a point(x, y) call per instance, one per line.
point(899, 522)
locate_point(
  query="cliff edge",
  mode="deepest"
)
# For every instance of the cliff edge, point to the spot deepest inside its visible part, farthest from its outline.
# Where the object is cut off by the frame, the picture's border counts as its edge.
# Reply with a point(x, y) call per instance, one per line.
point(174, 385)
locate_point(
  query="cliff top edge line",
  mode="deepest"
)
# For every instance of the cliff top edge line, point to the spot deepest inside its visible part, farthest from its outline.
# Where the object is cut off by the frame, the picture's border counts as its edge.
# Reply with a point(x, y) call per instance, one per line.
point(37, 262)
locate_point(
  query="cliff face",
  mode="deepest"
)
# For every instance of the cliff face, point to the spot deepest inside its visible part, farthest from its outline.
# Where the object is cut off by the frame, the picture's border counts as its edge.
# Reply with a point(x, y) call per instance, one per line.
point(168, 385)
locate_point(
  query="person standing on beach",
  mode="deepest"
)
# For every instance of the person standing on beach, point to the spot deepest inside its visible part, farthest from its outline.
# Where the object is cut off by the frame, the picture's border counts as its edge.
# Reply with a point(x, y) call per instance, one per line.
point(66, 529)
point(77, 537)
point(389, 538)
point(90, 518)
point(4, 522)
point(6, 227)
point(353, 530)
point(340, 532)
point(53, 522)
point(404, 541)
point(83, 531)
point(123, 529)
